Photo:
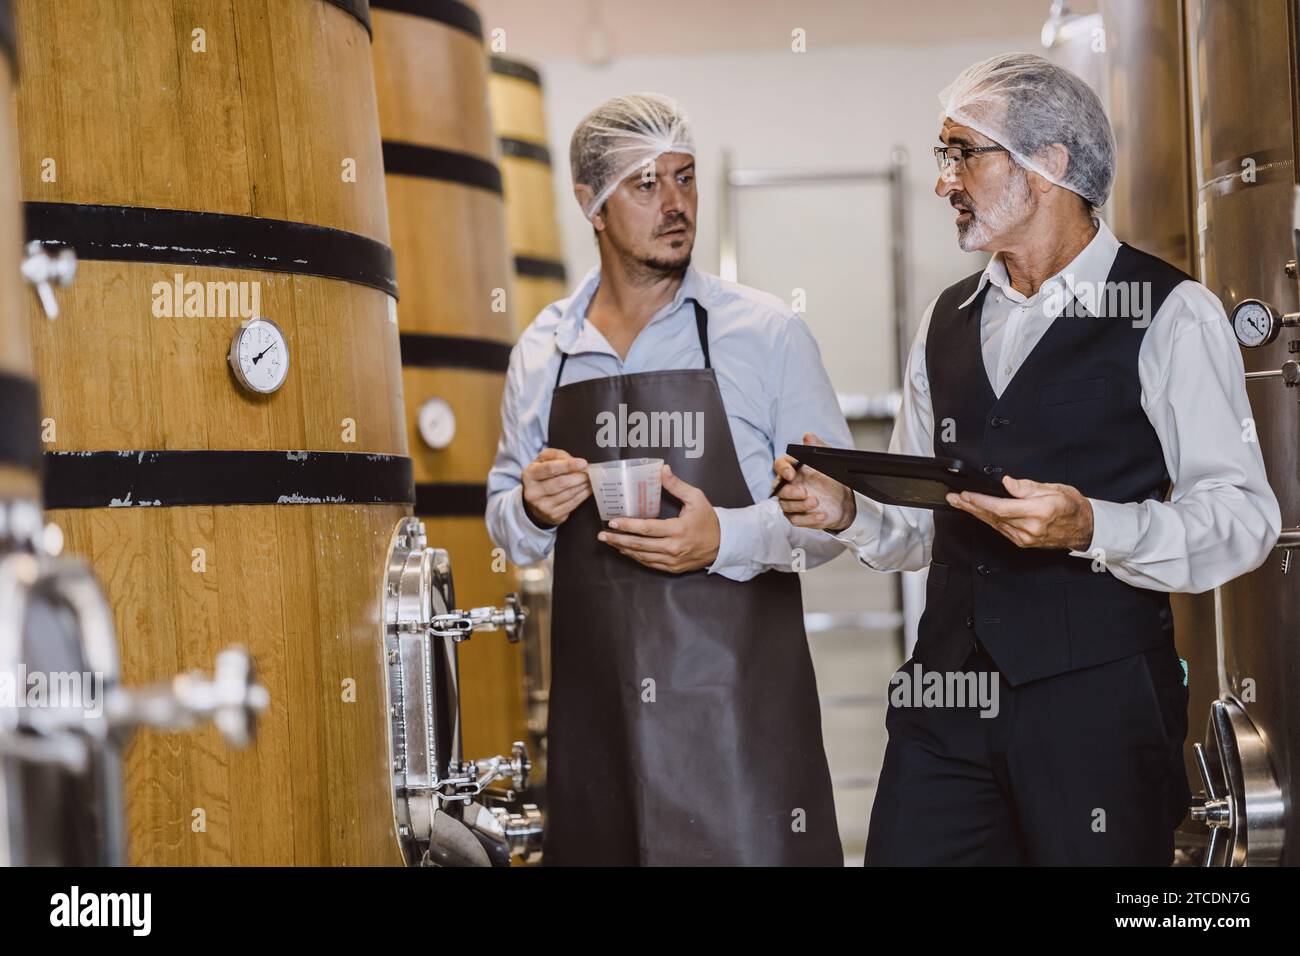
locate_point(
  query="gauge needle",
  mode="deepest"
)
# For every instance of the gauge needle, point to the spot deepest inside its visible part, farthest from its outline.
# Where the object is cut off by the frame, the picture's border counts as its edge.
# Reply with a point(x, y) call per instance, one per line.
point(258, 357)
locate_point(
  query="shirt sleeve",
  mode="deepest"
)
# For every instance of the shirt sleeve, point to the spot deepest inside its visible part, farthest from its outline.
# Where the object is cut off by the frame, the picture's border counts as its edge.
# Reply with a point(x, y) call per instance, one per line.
point(1222, 517)
point(522, 439)
point(758, 538)
point(887, 537)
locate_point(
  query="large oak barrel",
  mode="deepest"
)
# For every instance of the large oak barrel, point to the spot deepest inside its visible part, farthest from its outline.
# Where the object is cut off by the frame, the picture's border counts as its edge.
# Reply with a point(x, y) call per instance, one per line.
point(19, 439)
point(520, 122)
point(448, 227)
point(197, 155)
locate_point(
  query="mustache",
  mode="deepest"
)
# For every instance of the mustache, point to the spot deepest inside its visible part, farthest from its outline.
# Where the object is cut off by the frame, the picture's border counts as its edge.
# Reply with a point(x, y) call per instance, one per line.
point(962, 200)
point(678, 222)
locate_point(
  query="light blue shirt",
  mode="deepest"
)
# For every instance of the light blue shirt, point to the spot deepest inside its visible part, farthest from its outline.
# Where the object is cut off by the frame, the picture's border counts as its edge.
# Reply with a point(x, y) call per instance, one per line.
point(773, 385)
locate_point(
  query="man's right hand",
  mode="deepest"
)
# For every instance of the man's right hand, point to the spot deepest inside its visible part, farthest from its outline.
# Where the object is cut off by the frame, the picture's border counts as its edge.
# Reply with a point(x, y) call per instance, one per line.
point(811, 499)
point(555, 483)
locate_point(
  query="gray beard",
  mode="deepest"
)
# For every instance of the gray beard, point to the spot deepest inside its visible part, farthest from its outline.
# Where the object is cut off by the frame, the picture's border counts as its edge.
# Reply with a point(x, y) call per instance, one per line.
point(995, 218)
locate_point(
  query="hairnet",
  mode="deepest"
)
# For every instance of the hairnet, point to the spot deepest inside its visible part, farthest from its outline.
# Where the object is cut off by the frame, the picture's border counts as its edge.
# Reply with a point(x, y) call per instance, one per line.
point(1026, 103)
point(620, 135)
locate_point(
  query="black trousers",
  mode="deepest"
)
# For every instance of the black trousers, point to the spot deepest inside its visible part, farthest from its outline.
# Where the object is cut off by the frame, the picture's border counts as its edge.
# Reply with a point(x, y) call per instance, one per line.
point(1084, 768)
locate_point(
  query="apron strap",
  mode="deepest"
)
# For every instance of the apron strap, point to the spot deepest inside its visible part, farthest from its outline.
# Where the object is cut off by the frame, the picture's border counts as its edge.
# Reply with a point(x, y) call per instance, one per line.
point(564, 357)
point(701, 329)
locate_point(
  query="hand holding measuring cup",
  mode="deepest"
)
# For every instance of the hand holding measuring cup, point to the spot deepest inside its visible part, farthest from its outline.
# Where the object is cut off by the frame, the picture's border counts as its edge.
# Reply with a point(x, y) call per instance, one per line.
point(629, 488)
point(687, 542)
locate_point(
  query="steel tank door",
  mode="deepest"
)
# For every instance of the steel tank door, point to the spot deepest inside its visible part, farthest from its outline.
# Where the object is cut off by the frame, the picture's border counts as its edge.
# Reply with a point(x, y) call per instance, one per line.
point(1242, 79)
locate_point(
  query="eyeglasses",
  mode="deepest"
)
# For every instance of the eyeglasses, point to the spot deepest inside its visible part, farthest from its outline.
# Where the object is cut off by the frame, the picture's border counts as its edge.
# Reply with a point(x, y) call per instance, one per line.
point(948, 156)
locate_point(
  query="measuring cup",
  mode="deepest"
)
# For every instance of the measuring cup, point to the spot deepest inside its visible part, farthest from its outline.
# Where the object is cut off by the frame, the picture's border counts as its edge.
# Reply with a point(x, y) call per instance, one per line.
point(626, 489)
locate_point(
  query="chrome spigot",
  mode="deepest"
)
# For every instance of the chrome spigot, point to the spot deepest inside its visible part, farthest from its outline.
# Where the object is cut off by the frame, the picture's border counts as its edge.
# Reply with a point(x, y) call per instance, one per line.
point(459, 625)
point(45, 271)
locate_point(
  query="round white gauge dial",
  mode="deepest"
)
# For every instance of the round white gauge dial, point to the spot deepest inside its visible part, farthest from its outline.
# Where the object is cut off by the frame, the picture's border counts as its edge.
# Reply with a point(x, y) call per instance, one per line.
point(437, 423)
point(1255, 323)
point(259, 356)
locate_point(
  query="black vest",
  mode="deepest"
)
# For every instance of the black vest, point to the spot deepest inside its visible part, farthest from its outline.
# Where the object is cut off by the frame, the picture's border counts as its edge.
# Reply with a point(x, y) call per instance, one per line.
point(1071, 414)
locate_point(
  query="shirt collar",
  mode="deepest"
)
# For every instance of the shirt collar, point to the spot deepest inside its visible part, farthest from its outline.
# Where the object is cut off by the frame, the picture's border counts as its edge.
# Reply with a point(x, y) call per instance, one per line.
point(1092, 266)
point(573, 320)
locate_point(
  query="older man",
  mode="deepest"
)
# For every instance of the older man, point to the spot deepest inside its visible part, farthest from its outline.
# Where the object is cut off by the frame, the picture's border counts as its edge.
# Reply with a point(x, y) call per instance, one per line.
point(684, 720)
point(1104, 388)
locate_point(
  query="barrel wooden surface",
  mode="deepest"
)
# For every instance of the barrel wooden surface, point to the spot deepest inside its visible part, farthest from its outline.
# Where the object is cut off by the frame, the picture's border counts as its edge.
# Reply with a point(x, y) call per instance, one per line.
point(15, 349)
point(261, 125)
point(531, 223)
point(453, 269)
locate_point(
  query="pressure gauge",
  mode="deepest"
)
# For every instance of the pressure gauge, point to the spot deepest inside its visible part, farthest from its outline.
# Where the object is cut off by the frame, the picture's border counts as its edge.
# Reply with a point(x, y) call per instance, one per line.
point(1255, 323)
point(437, 423)
point(259, 356)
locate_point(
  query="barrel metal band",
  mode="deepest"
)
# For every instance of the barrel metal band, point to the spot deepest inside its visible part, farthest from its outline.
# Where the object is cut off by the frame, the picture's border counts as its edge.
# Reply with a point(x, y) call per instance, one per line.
point(221, 240)
point(117, 479)
point(504, 66)
point(525, 149)
point(20, 435)
point(447, 499)
point(428, 162)
point(358, 9)
point(451, 12)
point(421, 350)
point(535, 267)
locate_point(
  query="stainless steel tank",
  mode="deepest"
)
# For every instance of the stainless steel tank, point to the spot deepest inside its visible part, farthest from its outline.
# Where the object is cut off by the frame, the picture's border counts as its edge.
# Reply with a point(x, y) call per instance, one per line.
point(1138, 67)
point(1202, 98)
point(1242, 82)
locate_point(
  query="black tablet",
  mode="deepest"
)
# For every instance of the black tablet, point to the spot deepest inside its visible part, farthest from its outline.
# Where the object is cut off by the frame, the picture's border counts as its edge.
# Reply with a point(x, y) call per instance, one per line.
point(910, 481)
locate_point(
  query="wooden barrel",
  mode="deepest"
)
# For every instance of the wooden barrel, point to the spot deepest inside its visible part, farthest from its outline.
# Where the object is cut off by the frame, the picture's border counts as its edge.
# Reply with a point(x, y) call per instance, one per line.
point(448, 227)
point(19, 438)
point(520, 123)
point(196, 156)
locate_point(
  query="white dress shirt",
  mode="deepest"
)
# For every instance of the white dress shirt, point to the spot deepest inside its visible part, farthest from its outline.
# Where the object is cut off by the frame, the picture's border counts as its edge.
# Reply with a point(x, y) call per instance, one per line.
point(1221, 518)
point(773, 386)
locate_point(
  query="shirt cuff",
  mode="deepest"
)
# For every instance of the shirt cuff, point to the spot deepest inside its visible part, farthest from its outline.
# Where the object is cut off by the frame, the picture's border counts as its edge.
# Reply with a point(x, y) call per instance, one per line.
point(865, 528)
point(528, 528)
point(1115, 531)
point(735, 541)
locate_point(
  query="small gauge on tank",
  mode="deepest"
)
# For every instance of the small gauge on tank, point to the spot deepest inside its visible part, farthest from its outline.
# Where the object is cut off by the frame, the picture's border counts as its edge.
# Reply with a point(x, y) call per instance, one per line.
point(436, 423)
point(1255, 323)
point(259, 356)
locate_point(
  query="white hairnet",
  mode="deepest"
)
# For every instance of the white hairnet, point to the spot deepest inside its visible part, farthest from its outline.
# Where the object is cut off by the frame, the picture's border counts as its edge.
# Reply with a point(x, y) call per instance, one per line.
point(1026, 103)
point(620, 135)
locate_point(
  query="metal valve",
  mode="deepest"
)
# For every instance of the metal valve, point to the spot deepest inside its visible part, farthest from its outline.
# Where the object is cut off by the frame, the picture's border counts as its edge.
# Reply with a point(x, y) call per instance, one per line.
point(517, 765)
point(1213, 809)
point(45, 271)
point(231, 698)
point(459, 625)
point(469, 779)
point(1287, 541)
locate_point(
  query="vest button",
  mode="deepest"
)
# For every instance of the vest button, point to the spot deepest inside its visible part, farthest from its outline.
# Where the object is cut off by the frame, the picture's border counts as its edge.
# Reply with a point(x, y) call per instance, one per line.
point(982, 569)
point(970, 622)
point(997, 422)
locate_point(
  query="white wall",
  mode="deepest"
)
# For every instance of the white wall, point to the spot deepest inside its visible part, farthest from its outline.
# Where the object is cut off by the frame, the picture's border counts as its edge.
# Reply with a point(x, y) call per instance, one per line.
point(828, 108)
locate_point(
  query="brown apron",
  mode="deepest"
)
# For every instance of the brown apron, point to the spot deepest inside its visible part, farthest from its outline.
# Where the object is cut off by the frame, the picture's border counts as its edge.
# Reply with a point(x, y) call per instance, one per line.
point(684, 722)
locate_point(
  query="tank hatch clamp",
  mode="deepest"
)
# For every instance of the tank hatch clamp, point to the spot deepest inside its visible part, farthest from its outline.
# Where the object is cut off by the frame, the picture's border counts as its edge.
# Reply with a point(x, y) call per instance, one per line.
point(434, 787)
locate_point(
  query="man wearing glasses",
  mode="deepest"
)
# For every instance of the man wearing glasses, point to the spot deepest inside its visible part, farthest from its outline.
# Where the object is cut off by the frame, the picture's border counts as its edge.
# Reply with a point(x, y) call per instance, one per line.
point(1104, 389)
